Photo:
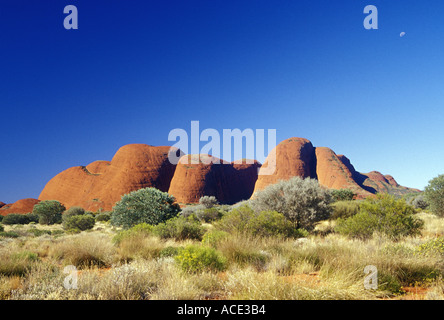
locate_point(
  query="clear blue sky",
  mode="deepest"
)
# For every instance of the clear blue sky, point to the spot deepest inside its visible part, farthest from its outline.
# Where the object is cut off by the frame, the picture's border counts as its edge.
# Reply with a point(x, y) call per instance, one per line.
point(134, 70)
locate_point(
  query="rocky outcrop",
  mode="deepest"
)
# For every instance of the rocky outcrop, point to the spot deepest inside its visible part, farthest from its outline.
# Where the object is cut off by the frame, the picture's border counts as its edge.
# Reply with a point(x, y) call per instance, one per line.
point(204, 175)
point(20, 207)
point(102, 183)
point(291, 157)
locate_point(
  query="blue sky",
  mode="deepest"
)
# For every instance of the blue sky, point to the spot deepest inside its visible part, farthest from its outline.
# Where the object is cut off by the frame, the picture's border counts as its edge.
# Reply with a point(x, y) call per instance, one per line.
point(134, 70)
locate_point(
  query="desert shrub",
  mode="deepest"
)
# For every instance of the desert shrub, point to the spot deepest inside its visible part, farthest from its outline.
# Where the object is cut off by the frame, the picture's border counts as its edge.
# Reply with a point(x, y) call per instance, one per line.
point(9, 234)
point(208, 201)
point(15, 218)
point(1, 219)
point(420, 202)
point(79, 222)
point(302, 201)
point(179, 228)
point(344, 209)
point(196, 259)
point(265, 223)
point(140, 230)
point(431, 247)
point(169, 252)
point(343, 195)
point(73, 211)
point(386, 215)
point(2, 228)
point(147, 205)
point(38, 232)
point(49, 211)
point(32, 217)
point(103, 216)
point(434, 195)
point(208, 214)
point(214, 237)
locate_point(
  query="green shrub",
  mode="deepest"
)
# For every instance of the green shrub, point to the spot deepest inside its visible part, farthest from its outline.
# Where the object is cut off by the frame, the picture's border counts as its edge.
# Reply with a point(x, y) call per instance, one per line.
point(208, 214)
point(73, 211)
point(9, 234)
point(1, 219)
point(431, 247)
point(49, 211)
point(264, 224)
point(103, 217)
point(344, 209)
point(37, 232)
point(142, 229)
point(208, 201)
point(79, 222)
point(147, 205)
point(343, 195)
point(2, 228)
point(302, 201)
point(386, 215)
point(196, 259)
point(434, 195)
point(214, 237)
point(15, 218)
point(32, 217)
point(169, 252)
point(179, 228)
point(420, 202)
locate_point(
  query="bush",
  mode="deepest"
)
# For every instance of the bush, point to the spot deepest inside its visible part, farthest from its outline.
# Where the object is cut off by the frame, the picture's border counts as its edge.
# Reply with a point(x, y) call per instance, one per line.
point(208, 201)
point(343, 195)
point(49, 211)
point(147, 205)
point(15, 218)
point(431, 247)
point(37, 232)
point(208, 214)
point(2, 228)
point(103, 217)
point(179, 228)
point(140, 230)
point(420, 202)
point(214, 237)
point(79, 222)
point(10, 234)
point(1, 219)
point(169, 252)
point(434, 195)
point(196, 259)
point(386, 215)
point(265, 223)
point(73, 211)
point(302, 201)
point(344, 209)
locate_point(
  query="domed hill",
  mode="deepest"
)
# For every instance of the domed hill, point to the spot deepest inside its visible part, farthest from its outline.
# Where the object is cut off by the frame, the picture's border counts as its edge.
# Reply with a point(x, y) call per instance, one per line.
point(291, 157)
point(21, 207)
point(298, 157)
point(334, 174)
point(204, 175)
point(102, 183)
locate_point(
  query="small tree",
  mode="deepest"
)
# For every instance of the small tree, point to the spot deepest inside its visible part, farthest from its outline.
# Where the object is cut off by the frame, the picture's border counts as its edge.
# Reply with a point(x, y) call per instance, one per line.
point(434, 194)
point(49, 211)
point(420, 202)
point(343, 195)
point(79, 222)
point(147, 205)
point(302, 201)
point(208, 201)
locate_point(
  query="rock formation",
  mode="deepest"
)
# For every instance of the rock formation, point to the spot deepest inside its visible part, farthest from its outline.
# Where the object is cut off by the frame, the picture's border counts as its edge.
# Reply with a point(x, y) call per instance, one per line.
point(21, 207)
point(102, 183)
point(204, 175)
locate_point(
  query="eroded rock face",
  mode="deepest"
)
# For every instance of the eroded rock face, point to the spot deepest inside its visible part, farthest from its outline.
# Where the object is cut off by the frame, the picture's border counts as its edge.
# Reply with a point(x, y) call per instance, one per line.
point(2, 204)
point(22, 206)
point(297, 157)
point(204, 175)
point(292, 157)
point(102, 183)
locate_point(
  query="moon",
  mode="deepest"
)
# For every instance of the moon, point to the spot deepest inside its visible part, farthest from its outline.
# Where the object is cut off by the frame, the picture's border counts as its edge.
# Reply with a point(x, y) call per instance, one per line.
point(402, 34)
